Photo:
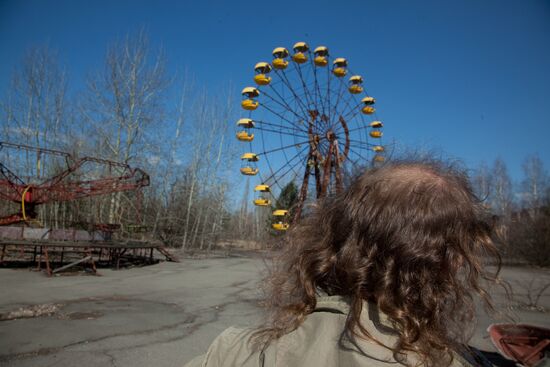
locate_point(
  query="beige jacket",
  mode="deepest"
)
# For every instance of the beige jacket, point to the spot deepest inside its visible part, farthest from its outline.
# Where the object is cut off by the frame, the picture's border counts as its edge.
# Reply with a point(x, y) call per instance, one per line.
point(315, 343)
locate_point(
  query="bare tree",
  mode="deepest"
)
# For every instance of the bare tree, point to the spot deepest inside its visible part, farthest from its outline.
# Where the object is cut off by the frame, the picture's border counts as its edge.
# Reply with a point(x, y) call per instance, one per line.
point(124, 103)
point(501, 200)
point(534, 184)
point(169, 169)
point(210, 126)
point(482, 182)
point(35, 108)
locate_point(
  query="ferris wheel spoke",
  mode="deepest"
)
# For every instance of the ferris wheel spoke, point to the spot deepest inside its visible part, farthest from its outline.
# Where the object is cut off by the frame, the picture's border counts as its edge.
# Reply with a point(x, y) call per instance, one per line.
point(289, 86)
point(354, 151)
point(354, 162)
point(337, 127)
point(295, 99)
point(284, 150)
point(290, 169)
point(355, 109)
point(285, 147)
point(295, 129)
point(284, 105)
point(356, 112)
point(361, 142)
point(267, 157)
point(329, 107)
point(362, 121)
point(340, 130)
point(280, 132)
point(346, 102)
point(360, 149)
point(357, 128)
point(316, 87)
point(274, 174)
point(306, 89)
point(327, 96)
point(338, 97)
point(339, 86)
point(277, 113)
point(350, 97)
point(349, 105)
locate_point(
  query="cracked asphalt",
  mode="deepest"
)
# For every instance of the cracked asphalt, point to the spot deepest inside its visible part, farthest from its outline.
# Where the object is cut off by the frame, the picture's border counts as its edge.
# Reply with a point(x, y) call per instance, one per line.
point(160, 315)
point(164, 315)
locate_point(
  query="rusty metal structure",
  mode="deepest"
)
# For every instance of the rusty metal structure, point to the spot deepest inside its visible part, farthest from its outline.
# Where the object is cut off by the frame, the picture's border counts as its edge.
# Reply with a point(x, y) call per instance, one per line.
point(74, 178)
point(58, 187)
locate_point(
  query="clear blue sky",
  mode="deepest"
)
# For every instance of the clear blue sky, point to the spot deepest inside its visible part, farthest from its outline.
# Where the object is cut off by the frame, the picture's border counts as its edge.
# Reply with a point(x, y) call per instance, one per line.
point(471, 77)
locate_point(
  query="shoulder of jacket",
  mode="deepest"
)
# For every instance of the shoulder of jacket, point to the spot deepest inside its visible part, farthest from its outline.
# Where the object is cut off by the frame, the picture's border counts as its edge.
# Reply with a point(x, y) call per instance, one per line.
point(230, 348)
point(231, 336)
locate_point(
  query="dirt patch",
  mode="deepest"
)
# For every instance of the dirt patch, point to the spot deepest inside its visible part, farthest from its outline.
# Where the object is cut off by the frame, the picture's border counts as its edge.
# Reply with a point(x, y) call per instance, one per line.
point(47, 309)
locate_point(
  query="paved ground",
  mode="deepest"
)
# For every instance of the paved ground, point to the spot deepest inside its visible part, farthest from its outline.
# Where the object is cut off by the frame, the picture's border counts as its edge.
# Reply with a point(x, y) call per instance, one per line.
point(161, 315)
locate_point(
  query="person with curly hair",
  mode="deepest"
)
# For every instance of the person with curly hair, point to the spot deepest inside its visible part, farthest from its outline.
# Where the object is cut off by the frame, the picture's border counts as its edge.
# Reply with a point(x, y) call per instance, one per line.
point(385, 273)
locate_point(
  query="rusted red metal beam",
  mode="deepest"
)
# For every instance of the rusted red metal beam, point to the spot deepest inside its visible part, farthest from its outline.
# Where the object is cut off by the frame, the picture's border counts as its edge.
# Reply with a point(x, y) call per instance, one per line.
point(59, 188)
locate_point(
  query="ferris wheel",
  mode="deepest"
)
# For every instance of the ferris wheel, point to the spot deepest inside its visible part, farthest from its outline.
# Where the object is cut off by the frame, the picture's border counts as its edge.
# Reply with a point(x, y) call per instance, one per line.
point(308, 119)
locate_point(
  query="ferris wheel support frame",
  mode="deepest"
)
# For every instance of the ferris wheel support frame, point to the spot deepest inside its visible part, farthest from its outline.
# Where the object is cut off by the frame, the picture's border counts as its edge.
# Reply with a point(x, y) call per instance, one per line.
point(331, 161)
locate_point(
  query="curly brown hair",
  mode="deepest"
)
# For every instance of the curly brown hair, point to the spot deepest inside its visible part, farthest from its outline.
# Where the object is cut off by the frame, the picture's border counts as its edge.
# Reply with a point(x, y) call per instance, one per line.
point(412, 238)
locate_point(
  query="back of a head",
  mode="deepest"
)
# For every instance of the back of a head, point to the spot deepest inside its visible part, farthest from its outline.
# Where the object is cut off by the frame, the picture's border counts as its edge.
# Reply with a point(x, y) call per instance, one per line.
point(409, 237)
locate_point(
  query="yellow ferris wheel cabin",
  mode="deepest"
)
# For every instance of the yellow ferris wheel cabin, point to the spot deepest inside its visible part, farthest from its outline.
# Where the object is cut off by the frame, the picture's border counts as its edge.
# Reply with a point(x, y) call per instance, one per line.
point(244, 136)
point(368, 110)
point(282, 221)
point(246, 124)
point(280, 213)
point(248, 102)
point(261, 77)
point(261, 200)
point(300, 52)
point(249, 171)
point(321, 54)
point(376, 124)
point(368, 102)
point(250, 157)
point(355, 84)
point(376, 134)
point(248, 167)
point(262, 188)
point(279, 58)
point(340, 66)
point(280, 226)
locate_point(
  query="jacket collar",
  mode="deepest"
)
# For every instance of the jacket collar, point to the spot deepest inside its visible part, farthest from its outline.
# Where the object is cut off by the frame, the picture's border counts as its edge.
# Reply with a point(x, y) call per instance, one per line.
point(339, 304)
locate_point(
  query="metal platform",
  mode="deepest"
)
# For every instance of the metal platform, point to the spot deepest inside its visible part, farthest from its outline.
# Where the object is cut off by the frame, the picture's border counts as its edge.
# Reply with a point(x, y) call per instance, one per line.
point(57, 250)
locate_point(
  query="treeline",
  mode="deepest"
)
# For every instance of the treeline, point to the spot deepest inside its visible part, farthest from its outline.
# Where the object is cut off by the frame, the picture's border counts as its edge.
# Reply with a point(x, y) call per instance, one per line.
point(521, 209)
point(133, 110)
point(130, 110)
